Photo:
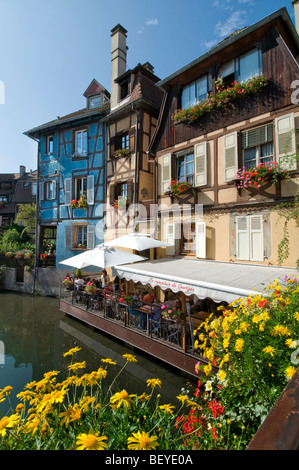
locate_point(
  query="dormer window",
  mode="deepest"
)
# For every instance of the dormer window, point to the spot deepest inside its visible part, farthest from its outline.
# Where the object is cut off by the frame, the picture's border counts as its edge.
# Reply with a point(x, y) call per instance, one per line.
point(50, 144)
point(95, 102)
point(241, 68)
point(124, 89)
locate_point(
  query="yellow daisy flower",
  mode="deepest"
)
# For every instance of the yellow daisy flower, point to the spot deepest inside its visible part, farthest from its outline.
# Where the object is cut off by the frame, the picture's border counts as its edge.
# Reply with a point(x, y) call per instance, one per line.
point(91, 441)
point(153, 383)
point(142, 441)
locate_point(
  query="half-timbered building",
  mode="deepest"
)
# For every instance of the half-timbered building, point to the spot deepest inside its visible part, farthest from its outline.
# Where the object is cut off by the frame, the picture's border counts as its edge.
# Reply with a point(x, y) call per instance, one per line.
point(228, 121)
point(71, 177)
point(135, 105)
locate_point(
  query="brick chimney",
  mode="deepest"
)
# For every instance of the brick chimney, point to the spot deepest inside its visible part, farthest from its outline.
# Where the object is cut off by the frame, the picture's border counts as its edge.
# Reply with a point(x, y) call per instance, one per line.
point(296, 11)
point(118, 59)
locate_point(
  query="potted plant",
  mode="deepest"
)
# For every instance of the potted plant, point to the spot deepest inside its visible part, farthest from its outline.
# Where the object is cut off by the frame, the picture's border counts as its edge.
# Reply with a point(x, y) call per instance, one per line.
point(170, 312)
point(90, 288)
point(122, 152)
point(9, 254)
point(19, 255)
point(260, 175)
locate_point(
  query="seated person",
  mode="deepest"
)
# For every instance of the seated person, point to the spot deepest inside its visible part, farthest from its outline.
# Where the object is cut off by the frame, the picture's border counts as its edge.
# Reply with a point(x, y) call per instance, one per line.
point(79, 283)
point(149, 297)
point(155, 315)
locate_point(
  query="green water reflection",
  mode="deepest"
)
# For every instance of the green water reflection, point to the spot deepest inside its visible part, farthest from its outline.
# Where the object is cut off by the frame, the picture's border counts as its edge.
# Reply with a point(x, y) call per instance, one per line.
point(35, 334)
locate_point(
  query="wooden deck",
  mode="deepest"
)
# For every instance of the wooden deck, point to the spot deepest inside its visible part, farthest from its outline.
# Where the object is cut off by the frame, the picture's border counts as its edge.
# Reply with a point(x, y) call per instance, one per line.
point(182, 358)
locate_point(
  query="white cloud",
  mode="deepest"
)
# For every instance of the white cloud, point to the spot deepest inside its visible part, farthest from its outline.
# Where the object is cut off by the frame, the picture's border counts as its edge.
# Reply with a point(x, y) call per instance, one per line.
point(235, 21)
point(153, 22)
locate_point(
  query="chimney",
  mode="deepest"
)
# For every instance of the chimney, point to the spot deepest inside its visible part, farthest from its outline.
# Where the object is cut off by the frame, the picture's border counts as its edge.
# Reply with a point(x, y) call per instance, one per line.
point(296, 11)
point(118, 59)
point(22, 170)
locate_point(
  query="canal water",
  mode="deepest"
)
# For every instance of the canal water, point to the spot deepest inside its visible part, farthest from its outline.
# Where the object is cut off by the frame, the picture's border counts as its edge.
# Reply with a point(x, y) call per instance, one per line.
point(34, 335)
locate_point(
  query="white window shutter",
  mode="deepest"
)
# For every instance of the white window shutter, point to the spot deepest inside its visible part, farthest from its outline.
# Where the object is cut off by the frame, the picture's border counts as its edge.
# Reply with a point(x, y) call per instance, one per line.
point(68, 191)
point(200, 151)
point(166, 172)
point(242, 238)
point(256, 238)
point(285, 140)
point(170, 238)
point(201, 240)
point(90, 237)
point(230, 153)
point(90, 190)
point(41, 191)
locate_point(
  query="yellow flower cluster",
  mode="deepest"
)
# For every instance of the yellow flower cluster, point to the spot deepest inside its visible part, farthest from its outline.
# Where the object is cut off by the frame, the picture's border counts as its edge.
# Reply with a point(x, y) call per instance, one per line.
point(250, 331)
point(47, 406)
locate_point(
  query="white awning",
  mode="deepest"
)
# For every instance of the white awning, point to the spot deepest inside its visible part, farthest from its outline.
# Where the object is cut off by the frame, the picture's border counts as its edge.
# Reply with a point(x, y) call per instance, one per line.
point(218, 280)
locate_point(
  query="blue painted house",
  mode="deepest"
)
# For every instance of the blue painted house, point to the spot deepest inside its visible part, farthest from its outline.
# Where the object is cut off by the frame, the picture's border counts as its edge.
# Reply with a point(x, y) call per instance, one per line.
point(71, 177)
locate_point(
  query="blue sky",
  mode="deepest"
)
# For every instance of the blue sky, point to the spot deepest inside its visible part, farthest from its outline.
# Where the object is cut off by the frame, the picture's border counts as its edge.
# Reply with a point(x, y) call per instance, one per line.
point(51, 50)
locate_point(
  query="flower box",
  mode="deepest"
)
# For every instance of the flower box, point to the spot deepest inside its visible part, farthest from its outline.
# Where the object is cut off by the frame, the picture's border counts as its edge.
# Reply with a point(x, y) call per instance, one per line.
point(122, 153)
point(177, 188)
point(79, 203)
point(221, 99)
point(260, 177)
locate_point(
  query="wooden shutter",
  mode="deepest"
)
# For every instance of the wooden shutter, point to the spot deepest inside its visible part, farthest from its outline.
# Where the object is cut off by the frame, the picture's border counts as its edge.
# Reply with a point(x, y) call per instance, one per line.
point(256, 238)
point(112, 194)
point(67, 191)
point(130, 192)
point(68, 236)
point(90, 237)
point(285, 139)
point(201, 240)
point(230, 153)
point(166, 172)
point(90, 190)
point(54, 189)
point(132, 140)
point(200, 154)
point(242, 237)
point(41, 191)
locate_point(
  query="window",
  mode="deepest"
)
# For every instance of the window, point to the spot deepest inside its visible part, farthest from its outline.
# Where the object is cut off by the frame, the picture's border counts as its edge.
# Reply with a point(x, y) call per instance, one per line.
point(196, 91)
point(79, 236)
point(81, 142)
point(257, 146)
point(80, 187)
point(125, 141)
point(50, 144)
point(185, 167)
point(122, 190)
point(95, 102)
point(250, 238)
point(249, 65)
point(242, 68)
point(124, 89)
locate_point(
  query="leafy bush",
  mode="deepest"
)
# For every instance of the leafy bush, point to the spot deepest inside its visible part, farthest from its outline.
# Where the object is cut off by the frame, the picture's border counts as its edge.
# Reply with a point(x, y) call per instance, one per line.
point(252, 346)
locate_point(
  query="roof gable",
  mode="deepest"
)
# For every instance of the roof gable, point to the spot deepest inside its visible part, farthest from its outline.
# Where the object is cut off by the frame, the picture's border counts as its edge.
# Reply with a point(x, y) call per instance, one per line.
point(94, 88)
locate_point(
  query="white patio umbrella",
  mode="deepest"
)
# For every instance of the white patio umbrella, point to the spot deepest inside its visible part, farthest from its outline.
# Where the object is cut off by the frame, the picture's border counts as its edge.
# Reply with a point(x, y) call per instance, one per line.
point(137, 241)
point(103, 257)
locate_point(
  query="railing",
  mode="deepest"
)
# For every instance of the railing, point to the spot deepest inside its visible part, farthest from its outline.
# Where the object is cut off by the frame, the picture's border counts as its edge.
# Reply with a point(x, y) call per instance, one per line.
point(175, 331)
